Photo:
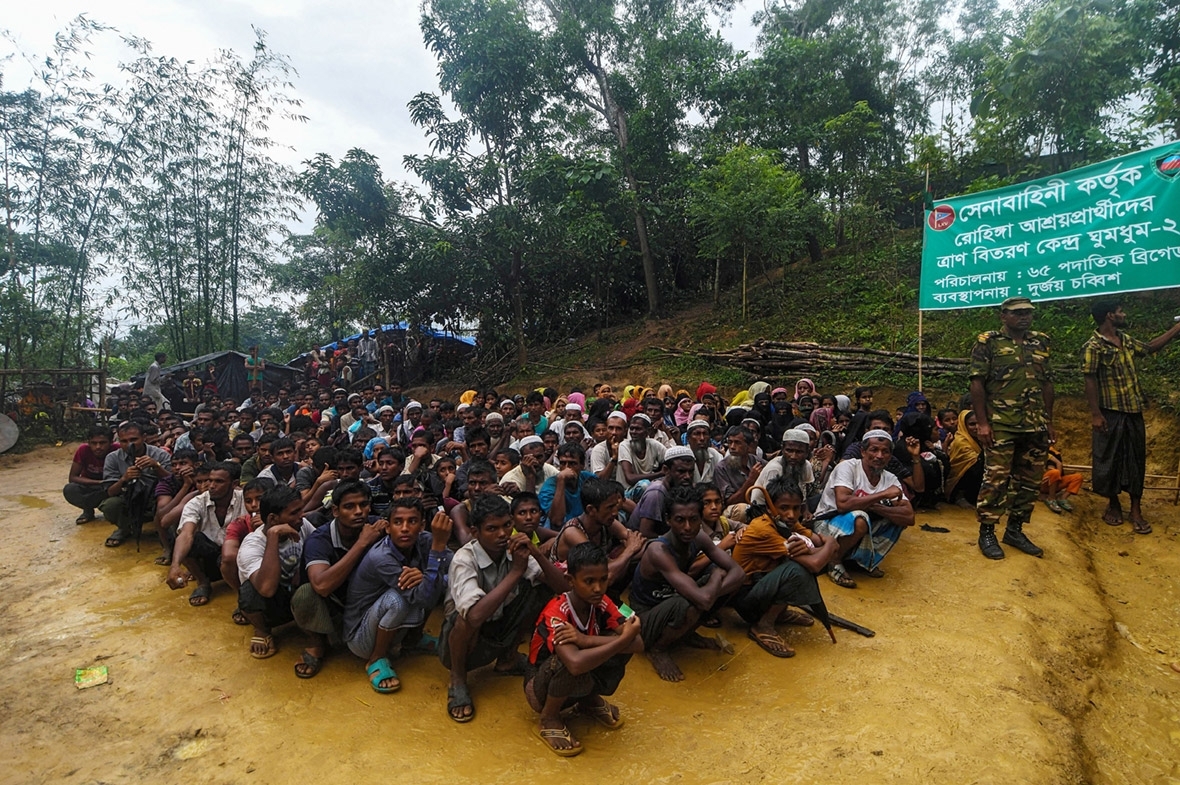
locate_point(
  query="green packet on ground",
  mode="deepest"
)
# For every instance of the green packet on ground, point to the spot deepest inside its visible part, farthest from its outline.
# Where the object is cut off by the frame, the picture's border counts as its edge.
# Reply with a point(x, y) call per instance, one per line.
point(91, 677)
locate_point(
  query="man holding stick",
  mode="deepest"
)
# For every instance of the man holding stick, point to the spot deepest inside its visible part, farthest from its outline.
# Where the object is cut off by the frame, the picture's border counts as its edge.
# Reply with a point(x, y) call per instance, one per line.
point(1116, 400)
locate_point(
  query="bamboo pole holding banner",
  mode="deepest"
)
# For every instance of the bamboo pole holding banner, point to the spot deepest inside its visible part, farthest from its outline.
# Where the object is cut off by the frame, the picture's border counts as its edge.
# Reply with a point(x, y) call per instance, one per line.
point(920, 298)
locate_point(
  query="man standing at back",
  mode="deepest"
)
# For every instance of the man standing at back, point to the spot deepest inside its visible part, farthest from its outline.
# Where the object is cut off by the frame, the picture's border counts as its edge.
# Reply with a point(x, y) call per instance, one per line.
point(1116, 400)
point(1012, 395)
point(151, 383)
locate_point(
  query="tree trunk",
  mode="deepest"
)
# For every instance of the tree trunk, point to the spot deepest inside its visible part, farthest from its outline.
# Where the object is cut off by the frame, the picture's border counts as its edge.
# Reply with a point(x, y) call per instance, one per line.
point(717, 282)
point(522, 351)
point(618, 125)
point(814, 249)
point(745, 278)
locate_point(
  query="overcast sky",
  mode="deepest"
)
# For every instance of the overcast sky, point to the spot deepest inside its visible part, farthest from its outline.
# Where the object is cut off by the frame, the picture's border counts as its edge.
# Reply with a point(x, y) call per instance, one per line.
point(359, 61)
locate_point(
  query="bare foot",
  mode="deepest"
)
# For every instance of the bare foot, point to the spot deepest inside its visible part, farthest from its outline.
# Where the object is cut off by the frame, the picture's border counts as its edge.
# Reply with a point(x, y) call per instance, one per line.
point(698, 641)
point(665, 667)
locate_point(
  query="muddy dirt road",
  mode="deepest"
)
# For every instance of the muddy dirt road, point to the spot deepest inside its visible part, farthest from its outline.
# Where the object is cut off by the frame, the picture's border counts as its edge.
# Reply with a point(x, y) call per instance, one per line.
point(1053, 671)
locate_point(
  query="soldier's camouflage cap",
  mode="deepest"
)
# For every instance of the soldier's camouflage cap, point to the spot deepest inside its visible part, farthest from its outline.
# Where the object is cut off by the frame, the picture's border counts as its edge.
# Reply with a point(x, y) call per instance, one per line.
point(1017, 304)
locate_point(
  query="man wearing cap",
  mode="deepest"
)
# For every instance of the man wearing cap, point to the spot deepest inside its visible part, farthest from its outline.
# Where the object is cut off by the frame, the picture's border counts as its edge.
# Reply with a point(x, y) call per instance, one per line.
point(663, 433)
point(411, 417)
point(640, 457)
point(493, 423)
point(533, 470)
point(792, 463)
point(1012, 396)
point(604, 457)
point(864, 508)
point(705, 458)
point(1116, 401)
point(648, 516)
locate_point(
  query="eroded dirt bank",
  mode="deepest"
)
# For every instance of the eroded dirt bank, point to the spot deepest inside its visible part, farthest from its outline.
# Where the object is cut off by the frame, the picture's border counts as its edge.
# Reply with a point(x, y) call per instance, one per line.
point(1015, 671)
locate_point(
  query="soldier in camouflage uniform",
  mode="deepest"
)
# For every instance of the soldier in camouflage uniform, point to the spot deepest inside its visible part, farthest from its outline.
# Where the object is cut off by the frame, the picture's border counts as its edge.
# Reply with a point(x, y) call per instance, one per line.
point(1012, 395)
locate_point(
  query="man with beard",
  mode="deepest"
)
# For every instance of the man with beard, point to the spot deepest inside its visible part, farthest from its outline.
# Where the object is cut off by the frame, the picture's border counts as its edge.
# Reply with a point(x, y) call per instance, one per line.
point(706, 459)
point(411, 417)
point(1116, 401)
point(498, 439)
point(639, 457)
point(648, 516)
point(533, 471)
point(130, 475)
point(864, 508)
point(737, 472)
point(791, 465)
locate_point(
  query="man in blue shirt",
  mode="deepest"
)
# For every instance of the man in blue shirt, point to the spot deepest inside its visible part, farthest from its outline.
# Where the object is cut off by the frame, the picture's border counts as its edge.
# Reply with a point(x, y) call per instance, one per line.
point(330, 557)
point(399, 581)
point(561, 495)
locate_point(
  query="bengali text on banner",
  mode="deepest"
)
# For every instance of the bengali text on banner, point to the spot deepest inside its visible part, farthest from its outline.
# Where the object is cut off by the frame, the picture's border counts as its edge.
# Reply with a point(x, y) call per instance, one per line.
point(1105, 228)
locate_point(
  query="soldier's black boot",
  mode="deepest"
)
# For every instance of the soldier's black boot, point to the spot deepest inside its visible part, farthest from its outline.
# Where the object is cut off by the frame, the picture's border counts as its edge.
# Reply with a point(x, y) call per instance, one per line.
point(1015, 536)
point(988, 545)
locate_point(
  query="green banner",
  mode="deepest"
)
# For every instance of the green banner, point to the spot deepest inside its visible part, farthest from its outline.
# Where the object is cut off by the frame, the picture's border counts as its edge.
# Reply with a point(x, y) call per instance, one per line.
point(1109, 227)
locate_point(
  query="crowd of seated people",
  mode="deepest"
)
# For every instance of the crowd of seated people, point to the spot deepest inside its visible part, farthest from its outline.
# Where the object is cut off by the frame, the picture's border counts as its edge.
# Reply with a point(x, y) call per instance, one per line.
point(591, 526)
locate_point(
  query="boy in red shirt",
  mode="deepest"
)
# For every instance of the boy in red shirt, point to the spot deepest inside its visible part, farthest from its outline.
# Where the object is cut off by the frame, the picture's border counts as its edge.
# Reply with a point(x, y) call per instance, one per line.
point(581, 647)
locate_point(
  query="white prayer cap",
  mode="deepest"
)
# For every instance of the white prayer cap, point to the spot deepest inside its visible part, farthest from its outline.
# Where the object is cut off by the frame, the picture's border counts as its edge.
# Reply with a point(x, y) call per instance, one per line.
point(677, 452)
point(529, 440)
point(617, 415)
point(697, 424)
point(796, 435)
point(877, 433)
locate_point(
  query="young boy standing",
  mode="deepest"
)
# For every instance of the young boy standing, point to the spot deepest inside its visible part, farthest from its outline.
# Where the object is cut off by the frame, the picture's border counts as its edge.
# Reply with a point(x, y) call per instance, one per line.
point(396, 585)
point(493, 601)
point(581, 648)
point(268, 566)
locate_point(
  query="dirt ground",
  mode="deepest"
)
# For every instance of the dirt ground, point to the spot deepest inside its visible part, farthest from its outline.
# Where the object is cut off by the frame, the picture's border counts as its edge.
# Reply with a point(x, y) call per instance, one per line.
point(1043, 671)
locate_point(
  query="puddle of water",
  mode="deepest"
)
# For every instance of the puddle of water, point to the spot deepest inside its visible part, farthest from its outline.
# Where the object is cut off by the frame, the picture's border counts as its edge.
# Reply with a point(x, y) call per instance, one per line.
point(29, 501)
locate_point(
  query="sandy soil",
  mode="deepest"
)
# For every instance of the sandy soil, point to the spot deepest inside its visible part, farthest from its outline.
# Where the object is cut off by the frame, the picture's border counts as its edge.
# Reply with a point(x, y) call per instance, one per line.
point(1042, 671)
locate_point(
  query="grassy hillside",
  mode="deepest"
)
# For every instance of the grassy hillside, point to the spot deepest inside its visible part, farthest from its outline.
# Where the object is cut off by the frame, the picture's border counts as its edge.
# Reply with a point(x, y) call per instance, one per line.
point(866, 298)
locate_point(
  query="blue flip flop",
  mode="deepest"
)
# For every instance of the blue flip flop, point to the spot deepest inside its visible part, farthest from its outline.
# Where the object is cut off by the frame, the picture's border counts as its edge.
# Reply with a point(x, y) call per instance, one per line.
point(378, 672)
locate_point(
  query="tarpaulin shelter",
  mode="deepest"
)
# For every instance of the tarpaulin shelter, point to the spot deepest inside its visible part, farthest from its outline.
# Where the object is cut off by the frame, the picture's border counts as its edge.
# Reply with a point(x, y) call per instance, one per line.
point(229, 374)
point(416, 350)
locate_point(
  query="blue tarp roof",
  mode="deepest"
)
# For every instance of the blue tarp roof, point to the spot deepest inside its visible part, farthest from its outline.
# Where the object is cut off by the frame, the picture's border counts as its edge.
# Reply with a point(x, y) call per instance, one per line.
point(388, 328)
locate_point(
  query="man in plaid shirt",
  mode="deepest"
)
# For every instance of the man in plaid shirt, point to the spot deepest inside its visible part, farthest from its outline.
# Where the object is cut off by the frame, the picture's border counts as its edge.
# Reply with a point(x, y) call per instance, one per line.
point(1116, 403)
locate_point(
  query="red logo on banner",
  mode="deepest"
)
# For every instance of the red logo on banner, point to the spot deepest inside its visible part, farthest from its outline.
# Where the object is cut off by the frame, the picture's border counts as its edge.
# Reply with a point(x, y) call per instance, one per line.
point(941, 217)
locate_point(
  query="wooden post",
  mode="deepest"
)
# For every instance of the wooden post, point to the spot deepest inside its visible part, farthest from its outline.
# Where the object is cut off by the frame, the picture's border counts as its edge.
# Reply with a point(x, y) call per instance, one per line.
point(920, 299)
point(919, 348)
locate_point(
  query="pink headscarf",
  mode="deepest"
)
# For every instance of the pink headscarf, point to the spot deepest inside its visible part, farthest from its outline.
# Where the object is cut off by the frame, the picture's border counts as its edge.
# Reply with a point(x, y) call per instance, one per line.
point(577, 398)
point(810, 385)
point(821, 419)
point(681, 417)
